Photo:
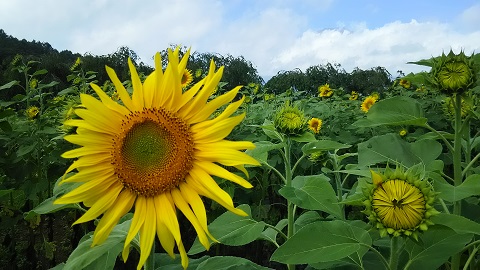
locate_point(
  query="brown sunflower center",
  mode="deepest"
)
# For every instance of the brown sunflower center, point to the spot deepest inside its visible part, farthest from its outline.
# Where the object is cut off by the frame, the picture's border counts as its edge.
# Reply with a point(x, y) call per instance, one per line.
point(153, 153)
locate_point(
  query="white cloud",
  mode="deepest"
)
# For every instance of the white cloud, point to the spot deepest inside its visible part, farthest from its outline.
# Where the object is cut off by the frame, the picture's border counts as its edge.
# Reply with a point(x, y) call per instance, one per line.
point(471, 17)
point(390, 46)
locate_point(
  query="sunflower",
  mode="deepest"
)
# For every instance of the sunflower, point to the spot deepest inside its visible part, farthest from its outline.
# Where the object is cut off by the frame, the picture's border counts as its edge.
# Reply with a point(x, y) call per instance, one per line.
point(32, 112)
point(315, 125)
point(368, 103)
point(290, 120)
point(353, 95)
point(156, 152)
point(404, 83)
point(325, 90)
point(403, 132)
point(399, 203)
point(187, 78)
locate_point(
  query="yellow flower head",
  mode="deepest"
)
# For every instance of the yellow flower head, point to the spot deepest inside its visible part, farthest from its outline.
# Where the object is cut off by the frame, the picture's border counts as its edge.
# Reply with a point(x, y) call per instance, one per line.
point(325, 91)
point(403, 132)
point(77, 63)
point(405, 83)
point(399, 203)
point(368, 103)
point(187, 78)
point(33, 83)
point(32, 112)
point(315, 125)
point(290, 120)
point(156, 152)
point(354, 95)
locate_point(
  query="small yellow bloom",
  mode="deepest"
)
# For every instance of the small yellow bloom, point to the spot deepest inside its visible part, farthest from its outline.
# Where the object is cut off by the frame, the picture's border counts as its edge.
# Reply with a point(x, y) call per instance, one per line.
point(315, 125)
point(403, 132)
point(368, 103)
point(325, 90)
point(33, 83)
point(187, 78)
point(405, 83)
point(354, 95)
point(32, 112)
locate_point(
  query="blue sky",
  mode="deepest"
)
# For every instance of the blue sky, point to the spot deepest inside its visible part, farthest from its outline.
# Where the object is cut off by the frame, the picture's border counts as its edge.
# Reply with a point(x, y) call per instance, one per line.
point(274, 35)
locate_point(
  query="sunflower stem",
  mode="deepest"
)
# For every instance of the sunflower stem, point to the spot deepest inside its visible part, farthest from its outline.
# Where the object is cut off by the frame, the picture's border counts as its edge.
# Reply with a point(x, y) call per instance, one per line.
point(394, 253)
point(288, 183)
point(150, 263)
point(457, 166)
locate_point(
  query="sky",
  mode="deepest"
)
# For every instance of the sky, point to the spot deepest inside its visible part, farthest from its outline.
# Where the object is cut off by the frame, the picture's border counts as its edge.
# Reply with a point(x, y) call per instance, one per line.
point(274, 35)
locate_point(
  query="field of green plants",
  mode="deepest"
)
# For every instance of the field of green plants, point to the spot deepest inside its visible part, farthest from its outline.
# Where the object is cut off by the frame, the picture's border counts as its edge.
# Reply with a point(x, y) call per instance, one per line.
point(382, 176)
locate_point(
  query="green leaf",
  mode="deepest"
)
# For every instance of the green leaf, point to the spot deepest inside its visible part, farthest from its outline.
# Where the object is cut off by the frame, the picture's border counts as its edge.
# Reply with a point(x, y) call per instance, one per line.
point(305, 137)
point(260, 152)
point(427, 150)
point(4, 192)
point(5, 126)
point(164, 262)
point(229, 263)
point(322, 145)
point(270, 234)
point(39, 72)
point(386, 148)
point(269, 130)
point(322, 242)
point(313, 192)
point(25, 149)
point(8, 85)
point(47, 206)
point(102, 256)
point(306, 218)
point(436, 245)
point(394, 111)
point(448, 192)
point(458, 223)
point(6, 113)
point(58, 267)
point(233, 230)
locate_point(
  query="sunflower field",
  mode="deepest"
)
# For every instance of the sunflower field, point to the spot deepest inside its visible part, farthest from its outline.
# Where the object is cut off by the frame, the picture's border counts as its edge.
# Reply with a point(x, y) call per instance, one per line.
point(189, 165)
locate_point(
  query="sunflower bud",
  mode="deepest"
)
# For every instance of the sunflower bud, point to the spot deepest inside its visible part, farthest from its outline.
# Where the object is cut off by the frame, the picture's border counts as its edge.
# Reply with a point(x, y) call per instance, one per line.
point(454, 73)
point(290, 121)
point(400, 203)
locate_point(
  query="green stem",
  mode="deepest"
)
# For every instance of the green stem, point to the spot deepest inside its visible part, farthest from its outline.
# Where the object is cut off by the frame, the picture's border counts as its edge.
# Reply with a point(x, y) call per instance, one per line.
point(444, 206)
point(394, 252)
point(150, 263)
point(276, 171)
point(288, 183)
point(382, 259)
point(338, 181)
point(470, 164)
point(297, 163)
point(457, 166)
point(447, 143)
point(470, 258)
point(277, 230)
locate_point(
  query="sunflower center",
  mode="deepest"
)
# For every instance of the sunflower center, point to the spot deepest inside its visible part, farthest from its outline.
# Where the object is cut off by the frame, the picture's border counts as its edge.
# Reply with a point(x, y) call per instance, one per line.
point(153, 153)
point(399, 205)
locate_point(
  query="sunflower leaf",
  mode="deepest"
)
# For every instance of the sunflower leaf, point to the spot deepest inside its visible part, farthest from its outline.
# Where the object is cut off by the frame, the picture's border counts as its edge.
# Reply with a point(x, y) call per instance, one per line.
point(394, 111)
point(322, 145)
point(458, 223)
point(323, 242)
point(233, 230)
point(313, 192)
point(229, 262)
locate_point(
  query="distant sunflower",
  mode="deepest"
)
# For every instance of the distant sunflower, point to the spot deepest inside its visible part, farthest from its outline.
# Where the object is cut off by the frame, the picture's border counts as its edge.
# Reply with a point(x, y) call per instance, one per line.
point(187, 78)
point(325, 90)
point(157, 151)
point(315, 125)
point(353, 95)
point(368, 103)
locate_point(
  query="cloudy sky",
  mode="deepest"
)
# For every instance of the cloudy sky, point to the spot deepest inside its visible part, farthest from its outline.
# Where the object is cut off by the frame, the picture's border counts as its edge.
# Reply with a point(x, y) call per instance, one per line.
point(274, 35)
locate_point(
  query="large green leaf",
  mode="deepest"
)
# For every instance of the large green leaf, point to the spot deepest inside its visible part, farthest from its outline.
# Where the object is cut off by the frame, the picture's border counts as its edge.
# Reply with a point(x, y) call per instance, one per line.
point(47, 206)
point(323, 242)
point(102, 256)
point(164, 262)
point(229, 263)
point(426, 150)
point(8, 85)
point(386, 148)
point(313, 192)
point(233, 230)
point(448, 192)
point(260, 152)
point(322, 145)
point(394, 111)
point(458, 223)
point(437, 244)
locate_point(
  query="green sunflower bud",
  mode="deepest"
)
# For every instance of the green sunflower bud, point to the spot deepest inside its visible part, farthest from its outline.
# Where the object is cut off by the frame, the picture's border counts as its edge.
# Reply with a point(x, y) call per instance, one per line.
point(290, 121)
point(399, 203)
point(454, 73)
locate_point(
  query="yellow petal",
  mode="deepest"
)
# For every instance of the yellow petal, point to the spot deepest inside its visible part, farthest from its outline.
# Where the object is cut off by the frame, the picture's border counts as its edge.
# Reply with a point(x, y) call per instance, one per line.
point(137, 96)
point(226, 157)
point(123, 204)
point(85, 151)
point(92, 189)
point(183, 206)
point(214, 169)
point(217, 131)
point(102, 204)
point(122, 92)
point(166, 238)
point(147, 233)
point(88, 174)
point(137, 222)
point(90, 140)
point(107, 101)
point(213, 105)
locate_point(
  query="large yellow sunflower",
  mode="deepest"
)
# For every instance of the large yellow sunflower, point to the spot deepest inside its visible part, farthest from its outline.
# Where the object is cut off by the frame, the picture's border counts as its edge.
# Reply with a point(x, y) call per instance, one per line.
point(157, 150)
point(368, 103)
